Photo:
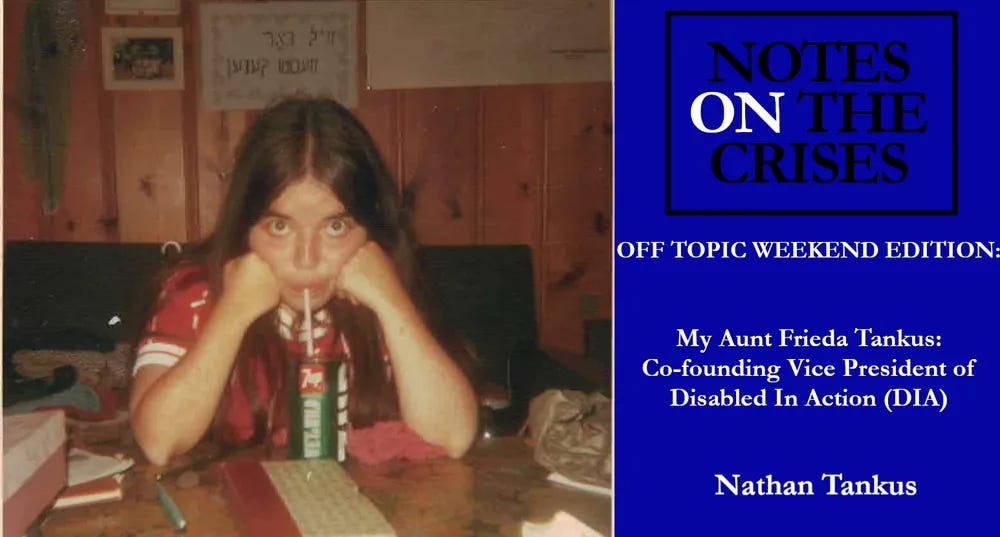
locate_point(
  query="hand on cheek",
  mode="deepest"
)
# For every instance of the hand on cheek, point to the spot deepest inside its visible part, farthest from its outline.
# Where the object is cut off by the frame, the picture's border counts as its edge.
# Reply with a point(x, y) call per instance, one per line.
point(369, 277)
point(250, 285)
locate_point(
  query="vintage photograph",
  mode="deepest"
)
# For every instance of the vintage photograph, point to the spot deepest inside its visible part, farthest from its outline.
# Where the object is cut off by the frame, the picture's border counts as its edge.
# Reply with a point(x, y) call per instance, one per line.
point(143, 59)
point(263, 278)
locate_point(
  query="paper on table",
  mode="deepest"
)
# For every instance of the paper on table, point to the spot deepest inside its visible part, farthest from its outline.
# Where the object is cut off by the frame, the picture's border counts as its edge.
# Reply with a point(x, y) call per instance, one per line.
point(86, 466)
point(556, 477)
point(562, 524)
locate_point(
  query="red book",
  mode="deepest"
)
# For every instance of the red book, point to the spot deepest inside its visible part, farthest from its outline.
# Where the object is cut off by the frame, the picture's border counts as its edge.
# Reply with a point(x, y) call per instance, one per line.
point(257, 503)
point(104, 489)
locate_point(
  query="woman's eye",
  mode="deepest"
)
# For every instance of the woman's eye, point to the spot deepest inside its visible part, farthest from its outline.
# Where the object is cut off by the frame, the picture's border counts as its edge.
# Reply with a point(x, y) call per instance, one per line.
point(277, 227)
point(337, 227)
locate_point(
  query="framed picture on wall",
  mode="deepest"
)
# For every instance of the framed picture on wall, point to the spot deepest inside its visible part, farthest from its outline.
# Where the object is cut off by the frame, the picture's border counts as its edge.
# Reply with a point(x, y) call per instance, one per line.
point(142, 58)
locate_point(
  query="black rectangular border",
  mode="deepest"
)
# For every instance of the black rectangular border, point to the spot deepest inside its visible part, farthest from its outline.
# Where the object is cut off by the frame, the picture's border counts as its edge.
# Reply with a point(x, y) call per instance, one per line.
point(952, 14)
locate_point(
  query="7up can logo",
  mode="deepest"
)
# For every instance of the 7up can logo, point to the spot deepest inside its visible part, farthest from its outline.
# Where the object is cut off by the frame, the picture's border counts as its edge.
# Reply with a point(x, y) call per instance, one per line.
point(312, 379)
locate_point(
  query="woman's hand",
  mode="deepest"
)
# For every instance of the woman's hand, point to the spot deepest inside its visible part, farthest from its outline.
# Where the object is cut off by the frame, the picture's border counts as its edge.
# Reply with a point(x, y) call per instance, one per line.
point(250, 286)
point(369, 277)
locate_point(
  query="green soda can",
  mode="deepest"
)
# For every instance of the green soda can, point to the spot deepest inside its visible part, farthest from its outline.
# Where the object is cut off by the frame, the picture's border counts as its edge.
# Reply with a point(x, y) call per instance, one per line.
point(314, 431)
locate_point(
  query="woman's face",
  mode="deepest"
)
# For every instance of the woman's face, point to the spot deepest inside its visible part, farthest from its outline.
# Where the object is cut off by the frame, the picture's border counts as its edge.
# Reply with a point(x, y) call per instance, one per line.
point(306, 236)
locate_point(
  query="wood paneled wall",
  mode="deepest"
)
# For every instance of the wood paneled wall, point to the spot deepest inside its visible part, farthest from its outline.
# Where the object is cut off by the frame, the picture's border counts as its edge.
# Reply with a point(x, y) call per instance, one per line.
point(502, 164)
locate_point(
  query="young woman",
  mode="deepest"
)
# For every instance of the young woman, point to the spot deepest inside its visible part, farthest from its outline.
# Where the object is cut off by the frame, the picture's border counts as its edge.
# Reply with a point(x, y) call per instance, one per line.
point(312, 208)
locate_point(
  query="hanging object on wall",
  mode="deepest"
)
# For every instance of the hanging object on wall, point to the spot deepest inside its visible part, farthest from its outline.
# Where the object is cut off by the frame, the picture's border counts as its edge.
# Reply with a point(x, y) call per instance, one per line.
point(51, 45)
point(142, 58)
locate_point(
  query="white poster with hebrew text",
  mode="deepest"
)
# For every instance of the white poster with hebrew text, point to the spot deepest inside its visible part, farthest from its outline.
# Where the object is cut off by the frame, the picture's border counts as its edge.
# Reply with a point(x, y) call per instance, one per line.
point(253, 54)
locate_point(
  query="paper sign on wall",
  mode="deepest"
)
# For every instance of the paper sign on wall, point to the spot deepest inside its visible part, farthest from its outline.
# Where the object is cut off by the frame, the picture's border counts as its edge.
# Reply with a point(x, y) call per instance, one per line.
point(254, 54)
point(434, 43)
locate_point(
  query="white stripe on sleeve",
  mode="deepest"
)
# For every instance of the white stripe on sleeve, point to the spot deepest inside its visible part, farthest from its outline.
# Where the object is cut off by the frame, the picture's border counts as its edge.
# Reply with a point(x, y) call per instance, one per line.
point(158, 353)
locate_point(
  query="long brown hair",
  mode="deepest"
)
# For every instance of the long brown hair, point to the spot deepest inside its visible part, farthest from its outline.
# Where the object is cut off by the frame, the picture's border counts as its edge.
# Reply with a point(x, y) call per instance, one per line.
point(320, 137)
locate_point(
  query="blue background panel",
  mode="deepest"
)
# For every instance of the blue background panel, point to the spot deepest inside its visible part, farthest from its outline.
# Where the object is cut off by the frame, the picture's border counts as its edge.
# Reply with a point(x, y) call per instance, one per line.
point(666, 457)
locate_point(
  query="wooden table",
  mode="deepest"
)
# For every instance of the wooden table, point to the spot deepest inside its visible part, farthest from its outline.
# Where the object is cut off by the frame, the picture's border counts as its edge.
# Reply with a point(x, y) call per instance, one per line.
point(489, 492)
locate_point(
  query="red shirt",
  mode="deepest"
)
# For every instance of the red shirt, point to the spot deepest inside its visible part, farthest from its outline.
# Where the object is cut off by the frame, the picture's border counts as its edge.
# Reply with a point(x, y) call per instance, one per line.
point(183, 307)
